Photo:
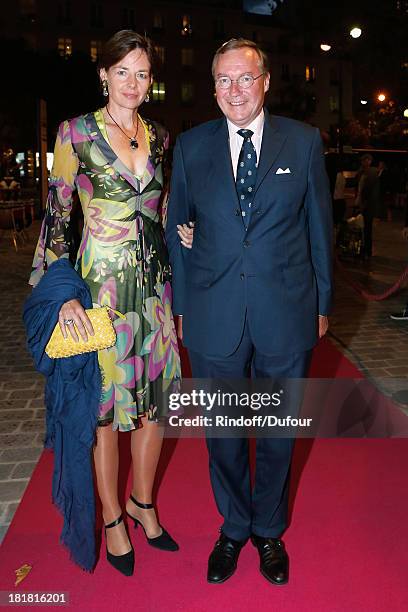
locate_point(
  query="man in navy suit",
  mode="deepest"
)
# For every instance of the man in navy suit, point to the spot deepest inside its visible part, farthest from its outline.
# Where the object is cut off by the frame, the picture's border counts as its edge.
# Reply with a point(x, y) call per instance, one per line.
point(255, 289)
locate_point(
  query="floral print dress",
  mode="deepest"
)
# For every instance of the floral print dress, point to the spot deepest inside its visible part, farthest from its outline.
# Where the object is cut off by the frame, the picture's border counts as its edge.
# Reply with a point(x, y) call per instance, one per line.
point(123, 259)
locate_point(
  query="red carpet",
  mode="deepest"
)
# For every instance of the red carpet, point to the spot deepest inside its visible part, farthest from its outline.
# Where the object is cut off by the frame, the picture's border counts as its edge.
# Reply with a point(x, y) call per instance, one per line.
point(347, 540)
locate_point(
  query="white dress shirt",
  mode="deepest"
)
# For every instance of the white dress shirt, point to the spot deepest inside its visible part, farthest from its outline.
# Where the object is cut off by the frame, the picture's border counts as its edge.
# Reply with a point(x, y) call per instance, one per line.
point(235, 140)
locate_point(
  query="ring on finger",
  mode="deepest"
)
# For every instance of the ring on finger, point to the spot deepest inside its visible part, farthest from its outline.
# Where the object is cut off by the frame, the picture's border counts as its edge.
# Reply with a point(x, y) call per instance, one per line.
point(68, 321)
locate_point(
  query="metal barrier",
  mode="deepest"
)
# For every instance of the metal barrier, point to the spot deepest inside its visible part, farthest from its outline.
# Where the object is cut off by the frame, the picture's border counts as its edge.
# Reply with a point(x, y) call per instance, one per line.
point(14, 216)
point(370, 297)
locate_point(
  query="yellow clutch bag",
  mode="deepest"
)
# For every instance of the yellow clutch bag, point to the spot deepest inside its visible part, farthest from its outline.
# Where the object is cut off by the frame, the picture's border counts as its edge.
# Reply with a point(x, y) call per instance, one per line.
point(104, 336)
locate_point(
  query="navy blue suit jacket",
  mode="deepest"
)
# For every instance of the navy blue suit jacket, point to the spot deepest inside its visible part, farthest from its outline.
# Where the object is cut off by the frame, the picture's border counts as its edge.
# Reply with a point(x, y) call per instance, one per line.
point(279, 270)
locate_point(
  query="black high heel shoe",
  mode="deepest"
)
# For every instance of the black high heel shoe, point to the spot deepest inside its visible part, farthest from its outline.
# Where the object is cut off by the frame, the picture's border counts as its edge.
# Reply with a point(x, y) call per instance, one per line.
point(164, 541)
point(123, 563)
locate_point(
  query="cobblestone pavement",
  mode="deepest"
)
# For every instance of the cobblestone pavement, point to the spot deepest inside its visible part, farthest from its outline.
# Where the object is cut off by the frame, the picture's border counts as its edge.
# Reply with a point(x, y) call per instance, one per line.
point(361, 329)
point(21, 388)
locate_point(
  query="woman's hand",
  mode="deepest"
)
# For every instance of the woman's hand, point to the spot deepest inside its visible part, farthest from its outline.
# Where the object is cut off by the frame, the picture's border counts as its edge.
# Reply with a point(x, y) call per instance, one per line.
point(186, 234)
point(180, 326)
point(72, 313)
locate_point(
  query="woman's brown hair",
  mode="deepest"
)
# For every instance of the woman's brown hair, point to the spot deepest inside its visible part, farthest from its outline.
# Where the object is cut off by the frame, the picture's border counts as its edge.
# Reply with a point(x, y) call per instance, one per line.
point(122, 43)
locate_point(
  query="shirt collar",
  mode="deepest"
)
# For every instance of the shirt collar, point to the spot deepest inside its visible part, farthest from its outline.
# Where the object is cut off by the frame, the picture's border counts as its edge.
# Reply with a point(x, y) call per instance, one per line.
point(256, 126)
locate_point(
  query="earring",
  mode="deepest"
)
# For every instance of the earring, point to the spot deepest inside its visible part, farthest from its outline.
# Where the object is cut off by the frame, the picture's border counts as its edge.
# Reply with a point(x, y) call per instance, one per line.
point(147, 98)
point(105, 88)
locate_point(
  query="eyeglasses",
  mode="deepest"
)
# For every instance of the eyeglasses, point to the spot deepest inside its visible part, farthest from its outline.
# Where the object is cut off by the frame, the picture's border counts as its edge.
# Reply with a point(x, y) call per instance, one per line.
point(244, 81)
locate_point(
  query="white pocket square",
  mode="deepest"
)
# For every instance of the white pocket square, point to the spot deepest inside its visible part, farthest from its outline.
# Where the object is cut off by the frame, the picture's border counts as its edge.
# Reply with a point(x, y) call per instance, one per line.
point(283, 171)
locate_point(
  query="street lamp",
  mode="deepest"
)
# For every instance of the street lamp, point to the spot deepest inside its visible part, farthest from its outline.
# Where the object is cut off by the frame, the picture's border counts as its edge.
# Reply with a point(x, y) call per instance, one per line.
point(381, 97)
point(325, 47)
point(406, 113)
point(355, 32)
point(363, 102)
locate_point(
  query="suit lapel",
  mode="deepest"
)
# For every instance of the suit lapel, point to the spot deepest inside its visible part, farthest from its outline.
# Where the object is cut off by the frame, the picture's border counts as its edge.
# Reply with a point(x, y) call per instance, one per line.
point(272, 142)
point(222, 174)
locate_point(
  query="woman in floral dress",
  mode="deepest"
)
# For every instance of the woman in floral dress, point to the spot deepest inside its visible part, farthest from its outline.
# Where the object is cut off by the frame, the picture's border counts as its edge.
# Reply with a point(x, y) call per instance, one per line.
point(114, 160)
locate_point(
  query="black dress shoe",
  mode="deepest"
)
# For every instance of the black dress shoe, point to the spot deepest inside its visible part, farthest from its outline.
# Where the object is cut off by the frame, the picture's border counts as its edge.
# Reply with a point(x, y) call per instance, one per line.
point(123, 563)
point(164, 541)
point(274, 559)
point(223, 559)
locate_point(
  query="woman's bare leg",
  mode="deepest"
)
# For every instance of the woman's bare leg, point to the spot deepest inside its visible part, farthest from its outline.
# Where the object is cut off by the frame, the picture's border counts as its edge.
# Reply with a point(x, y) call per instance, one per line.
point(106, 457)
point(146, 444)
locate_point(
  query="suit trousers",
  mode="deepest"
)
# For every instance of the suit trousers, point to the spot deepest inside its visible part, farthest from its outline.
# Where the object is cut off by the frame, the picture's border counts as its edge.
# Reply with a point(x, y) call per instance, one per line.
point(263, 510)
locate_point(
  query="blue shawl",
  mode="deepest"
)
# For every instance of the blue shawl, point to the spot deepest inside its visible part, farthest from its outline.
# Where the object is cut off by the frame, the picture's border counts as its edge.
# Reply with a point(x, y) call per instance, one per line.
point(72, 395)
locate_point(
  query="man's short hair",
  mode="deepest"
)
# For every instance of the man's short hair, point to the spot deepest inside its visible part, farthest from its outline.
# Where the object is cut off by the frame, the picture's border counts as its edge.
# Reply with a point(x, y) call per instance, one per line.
point(367, 156)
point(240, 43)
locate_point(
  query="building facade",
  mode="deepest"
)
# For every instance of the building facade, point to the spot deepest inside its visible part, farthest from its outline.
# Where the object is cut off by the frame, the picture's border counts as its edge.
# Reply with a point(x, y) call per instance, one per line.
point(304, 82)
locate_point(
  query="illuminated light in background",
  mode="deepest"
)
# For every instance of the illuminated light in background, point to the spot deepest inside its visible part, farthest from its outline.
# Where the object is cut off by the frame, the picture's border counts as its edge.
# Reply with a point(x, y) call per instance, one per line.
point(355, 33)
point(50, 160)
point(325, 47)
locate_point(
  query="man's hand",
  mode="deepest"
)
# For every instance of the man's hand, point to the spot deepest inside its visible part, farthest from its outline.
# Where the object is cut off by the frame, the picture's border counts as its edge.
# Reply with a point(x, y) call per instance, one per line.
point(323, 325)
point(405, 233)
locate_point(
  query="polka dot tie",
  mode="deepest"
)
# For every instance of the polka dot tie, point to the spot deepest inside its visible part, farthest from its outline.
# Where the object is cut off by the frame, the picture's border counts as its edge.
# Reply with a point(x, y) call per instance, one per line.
point(246, 174)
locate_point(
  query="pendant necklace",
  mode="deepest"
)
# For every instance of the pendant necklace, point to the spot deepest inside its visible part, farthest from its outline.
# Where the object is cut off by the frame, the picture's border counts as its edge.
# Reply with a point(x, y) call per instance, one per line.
point(132, 141)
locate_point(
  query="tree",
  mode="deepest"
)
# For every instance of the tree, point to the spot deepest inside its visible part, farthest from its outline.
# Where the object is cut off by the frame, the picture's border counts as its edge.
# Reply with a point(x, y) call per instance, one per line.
point(388, 127)
point(355, 134)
